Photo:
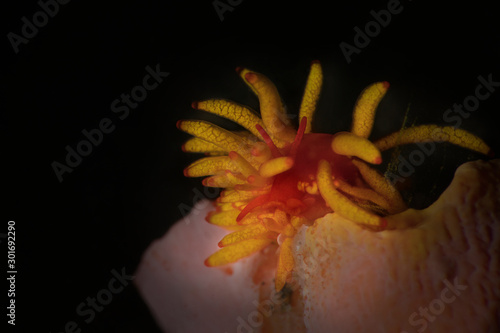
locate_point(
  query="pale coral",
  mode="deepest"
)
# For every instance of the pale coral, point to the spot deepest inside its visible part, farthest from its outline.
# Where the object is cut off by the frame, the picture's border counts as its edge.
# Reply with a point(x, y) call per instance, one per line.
point(436, 270)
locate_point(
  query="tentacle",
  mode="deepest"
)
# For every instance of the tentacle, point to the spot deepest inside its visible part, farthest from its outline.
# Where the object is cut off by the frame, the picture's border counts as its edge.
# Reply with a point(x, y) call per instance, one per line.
point(250, 219)
point(271, 224)
point(224, 207)
point(224, 219)
point(226, 215)
point(227, 179)
point(247, 170)
point(269, 141)
point(209, 166)
point(248, 137)
point(298, 137)
point(232, 111)
point(311, 94)
point(345, 143)
point(242, 72)
point(261, 152)
point(239, 196)
point(242, 164)
point(366, 105)
point(434, 133)
point(216, 135)
point(272, 111)
point(382, 186)
point(285, 264)
point(232, 253)
point(276, 166)
point(339, 203)
point(197, 145)
point(298, 221)
point(362, 193)
point(251, 232)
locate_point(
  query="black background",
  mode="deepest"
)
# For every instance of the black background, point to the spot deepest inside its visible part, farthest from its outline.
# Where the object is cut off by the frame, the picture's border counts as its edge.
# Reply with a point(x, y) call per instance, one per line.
point(126, 193)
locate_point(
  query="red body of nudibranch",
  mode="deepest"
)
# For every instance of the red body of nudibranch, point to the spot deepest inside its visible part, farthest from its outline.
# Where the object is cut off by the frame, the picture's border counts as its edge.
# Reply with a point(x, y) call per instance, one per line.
point(295, 190)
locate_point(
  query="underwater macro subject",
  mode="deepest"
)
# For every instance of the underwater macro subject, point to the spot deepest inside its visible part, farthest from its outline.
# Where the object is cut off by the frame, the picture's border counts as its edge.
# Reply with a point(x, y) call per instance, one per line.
point(306, 236)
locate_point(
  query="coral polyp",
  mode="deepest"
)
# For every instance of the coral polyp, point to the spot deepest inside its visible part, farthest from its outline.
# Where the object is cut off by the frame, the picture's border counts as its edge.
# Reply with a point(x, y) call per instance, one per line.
point(277, 178)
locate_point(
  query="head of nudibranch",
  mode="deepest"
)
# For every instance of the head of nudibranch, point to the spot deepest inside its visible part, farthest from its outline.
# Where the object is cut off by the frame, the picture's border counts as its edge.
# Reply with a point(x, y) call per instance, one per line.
point(277, 178)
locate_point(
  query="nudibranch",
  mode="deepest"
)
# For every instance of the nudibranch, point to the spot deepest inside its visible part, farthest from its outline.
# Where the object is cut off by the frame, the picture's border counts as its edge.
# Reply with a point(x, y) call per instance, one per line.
point(276, 178)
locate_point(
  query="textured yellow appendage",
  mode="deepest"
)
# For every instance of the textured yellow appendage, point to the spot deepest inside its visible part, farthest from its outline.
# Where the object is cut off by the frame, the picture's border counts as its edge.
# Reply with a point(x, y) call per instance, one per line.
point(232, 253)
point(209, 166)
point(214, 134)
point(366, 105)
point(272, 111)
point(251, 232)
point(285, 263)
point(349, 144)
point(340, 203)
point(429, 133)
point(382, 186)
point(232, 111)
point(197, 145)
point(276, 166)
point(311, 94)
